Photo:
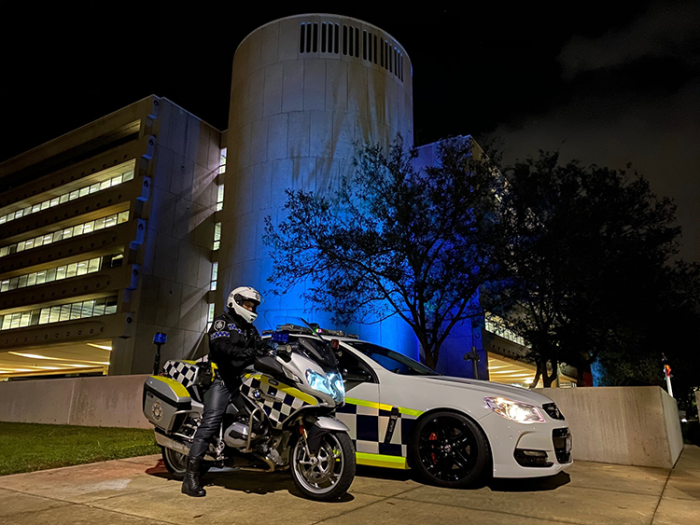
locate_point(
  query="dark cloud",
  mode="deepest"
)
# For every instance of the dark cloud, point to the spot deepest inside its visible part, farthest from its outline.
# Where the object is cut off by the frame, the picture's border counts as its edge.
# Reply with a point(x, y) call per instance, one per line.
point(664, 29)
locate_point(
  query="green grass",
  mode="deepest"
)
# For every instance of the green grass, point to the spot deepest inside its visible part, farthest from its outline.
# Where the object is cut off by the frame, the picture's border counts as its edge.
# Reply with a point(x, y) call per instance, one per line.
point(25, 447)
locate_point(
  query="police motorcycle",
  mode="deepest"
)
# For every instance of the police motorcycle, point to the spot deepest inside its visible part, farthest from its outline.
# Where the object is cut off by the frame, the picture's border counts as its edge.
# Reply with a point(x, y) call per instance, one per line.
point(282, 419)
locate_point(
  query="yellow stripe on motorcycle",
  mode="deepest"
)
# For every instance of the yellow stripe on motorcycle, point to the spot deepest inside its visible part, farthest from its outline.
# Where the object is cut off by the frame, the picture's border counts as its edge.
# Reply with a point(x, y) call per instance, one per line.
point(294, 392)
point(381, 460)
point(371, 404)
point(177, 387)
point(213, 366)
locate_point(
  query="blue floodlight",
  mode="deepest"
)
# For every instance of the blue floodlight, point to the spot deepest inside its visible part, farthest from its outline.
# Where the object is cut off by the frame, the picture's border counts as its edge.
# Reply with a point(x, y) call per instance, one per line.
point(160, 338)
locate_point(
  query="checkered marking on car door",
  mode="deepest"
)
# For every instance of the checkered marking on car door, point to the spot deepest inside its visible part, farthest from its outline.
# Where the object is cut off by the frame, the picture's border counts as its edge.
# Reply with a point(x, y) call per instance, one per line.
point(277, 400)
point(368, 423)
point(182, 372)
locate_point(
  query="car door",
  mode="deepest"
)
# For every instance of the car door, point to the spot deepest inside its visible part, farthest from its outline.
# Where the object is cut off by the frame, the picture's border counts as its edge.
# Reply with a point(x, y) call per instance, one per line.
point(361, 410)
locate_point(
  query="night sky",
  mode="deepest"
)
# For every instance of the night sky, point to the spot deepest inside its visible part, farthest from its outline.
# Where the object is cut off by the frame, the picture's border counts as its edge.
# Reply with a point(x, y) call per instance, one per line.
point(600, 83)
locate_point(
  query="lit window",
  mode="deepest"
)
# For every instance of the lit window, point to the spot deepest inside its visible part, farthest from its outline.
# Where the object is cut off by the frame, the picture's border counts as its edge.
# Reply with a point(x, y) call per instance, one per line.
point(217, 236)
point(55, 314)
point(210, 316)
point(214, 275)
point(88, 307)
point(82, 268)
point(80, 229)
point(220, 198)
point(222, 160)
point(72, 270)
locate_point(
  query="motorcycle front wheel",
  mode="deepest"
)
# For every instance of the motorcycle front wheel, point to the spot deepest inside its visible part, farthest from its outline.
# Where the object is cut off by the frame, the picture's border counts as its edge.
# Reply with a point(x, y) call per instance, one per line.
point(329, 474)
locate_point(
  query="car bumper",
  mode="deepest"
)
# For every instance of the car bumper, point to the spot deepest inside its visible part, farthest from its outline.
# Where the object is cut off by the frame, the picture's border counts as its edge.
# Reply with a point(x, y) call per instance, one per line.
point(527, 451)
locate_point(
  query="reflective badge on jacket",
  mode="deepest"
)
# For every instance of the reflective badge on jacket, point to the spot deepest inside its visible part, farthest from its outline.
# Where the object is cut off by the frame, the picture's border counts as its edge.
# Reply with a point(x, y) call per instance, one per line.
point(219, 325)
point(234, 327)
point(216, 335)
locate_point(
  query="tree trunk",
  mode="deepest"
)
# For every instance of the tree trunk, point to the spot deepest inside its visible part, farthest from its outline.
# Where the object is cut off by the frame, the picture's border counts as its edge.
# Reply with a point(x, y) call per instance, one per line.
point(537, 376)
point(430, 360)
point(549, 379)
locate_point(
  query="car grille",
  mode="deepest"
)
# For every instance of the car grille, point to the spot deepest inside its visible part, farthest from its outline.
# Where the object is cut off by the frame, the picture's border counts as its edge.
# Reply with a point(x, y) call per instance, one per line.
point(553, 411)
point(562, 444)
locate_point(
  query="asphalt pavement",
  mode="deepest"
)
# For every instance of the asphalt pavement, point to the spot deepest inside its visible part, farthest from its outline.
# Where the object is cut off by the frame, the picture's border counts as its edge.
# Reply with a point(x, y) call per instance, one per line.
point(140, 491)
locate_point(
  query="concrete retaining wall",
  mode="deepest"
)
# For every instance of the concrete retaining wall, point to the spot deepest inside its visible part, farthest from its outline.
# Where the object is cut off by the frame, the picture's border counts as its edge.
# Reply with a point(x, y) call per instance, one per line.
point(624, 425)
point(110, 401)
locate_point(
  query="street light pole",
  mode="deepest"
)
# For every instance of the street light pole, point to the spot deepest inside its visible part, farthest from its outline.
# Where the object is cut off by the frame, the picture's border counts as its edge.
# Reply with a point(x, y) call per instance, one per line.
point(473, 356)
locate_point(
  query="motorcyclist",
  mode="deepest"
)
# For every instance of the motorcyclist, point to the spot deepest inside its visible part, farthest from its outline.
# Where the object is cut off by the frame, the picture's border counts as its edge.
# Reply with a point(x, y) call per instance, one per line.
point(233, 345)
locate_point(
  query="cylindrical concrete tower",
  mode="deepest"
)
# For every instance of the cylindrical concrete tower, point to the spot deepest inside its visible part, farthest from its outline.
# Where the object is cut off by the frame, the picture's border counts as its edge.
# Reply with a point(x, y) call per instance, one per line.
point(306, 92)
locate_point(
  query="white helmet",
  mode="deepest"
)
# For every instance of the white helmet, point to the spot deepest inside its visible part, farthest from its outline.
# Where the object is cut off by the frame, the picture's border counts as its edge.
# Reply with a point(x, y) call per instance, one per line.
point(241, 294)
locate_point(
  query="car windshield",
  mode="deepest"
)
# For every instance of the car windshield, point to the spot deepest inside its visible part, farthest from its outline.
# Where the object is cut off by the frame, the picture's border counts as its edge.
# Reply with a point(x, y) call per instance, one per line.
point(392, 361)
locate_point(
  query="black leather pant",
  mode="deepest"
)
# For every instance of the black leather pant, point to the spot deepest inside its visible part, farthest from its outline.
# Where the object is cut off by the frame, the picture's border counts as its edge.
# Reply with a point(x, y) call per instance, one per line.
point(216, 400)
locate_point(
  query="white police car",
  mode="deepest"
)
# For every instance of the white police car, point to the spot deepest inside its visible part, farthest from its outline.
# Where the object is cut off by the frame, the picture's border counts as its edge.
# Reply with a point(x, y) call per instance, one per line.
point(451, 430)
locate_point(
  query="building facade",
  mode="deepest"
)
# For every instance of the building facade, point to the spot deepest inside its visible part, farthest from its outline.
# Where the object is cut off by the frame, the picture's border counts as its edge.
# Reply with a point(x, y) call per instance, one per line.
point(105, 238)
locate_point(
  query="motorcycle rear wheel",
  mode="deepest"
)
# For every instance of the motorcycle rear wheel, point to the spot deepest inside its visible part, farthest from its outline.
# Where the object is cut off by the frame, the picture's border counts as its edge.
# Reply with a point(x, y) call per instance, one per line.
point(176, 463)
point(333, 471)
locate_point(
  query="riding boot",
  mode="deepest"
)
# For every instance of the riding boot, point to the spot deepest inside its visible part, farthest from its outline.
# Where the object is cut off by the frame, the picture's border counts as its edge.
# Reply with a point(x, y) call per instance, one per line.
point(191, 485)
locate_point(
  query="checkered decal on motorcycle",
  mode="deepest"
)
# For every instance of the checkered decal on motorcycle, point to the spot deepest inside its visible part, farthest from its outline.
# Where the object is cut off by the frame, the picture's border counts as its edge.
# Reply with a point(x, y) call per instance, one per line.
point(368, 429)
point(278, 411)
point(181, 372)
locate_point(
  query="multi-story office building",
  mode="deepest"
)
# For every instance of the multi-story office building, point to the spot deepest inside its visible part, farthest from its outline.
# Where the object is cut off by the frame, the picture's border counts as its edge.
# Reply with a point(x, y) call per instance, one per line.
point(120, 229)
point(106, 237)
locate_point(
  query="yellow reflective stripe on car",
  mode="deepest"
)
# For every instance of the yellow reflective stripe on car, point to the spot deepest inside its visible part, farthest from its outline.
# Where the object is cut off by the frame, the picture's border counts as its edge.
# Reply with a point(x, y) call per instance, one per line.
point(380, 460)
point(371, 404)
point(294, 392)
point(178, 388)
point(410, 412)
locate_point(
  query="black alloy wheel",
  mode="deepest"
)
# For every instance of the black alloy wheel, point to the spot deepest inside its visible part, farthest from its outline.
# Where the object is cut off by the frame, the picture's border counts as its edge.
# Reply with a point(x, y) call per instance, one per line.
point(450, 450)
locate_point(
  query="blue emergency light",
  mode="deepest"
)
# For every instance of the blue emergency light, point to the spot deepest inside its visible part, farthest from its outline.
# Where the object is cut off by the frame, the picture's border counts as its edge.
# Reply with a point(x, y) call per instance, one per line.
point(160, 338)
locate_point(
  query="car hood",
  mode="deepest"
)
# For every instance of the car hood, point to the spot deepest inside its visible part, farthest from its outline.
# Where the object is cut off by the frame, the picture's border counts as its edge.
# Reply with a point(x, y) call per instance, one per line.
point(488, 388)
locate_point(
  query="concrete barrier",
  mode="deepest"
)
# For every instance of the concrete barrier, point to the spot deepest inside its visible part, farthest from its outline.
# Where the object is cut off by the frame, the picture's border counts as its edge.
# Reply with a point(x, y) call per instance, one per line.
point(108, 401)
point(624, 425)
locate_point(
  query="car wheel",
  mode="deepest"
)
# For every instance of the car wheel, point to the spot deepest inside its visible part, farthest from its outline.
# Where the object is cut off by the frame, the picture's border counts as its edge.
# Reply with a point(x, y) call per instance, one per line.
point(449, 450)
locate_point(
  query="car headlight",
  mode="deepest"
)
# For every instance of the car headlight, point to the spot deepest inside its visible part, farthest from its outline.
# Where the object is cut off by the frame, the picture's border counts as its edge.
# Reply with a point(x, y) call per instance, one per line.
point(514, 410)
point(326, 385)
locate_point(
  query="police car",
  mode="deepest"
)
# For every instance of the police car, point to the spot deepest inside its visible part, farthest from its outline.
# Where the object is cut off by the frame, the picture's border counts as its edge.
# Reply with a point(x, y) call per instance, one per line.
point(403, 415)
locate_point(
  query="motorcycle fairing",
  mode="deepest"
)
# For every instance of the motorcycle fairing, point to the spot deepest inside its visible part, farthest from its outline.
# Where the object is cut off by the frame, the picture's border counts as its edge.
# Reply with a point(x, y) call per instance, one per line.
point(277, 400)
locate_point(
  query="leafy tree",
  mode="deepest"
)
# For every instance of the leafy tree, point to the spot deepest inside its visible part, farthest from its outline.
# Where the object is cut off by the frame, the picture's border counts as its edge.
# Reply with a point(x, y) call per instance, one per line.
point(590, 259)
point(395, 240)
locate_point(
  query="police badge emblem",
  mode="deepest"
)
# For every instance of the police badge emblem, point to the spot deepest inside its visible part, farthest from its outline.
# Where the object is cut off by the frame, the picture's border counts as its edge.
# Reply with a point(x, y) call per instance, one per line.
point(219, 325)
point(157, 411)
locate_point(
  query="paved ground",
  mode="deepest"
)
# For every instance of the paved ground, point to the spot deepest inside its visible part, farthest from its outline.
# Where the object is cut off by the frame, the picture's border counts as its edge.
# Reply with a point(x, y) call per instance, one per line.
point(139, 491)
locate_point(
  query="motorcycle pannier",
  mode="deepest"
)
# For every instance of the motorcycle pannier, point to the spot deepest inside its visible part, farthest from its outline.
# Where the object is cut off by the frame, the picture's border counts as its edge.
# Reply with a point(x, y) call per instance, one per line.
point(163, 398)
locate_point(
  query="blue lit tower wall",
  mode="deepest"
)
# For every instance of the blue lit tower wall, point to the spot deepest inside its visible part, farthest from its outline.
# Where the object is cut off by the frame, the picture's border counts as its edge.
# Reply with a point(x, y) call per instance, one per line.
point(305, 90)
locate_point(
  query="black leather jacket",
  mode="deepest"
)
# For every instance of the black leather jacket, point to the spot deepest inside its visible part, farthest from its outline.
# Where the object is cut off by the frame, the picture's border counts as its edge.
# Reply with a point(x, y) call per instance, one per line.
point(233, 345)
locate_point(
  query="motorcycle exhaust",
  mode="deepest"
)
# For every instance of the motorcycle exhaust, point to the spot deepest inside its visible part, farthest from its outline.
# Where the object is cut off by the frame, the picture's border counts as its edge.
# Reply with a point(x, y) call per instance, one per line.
point(167, 442)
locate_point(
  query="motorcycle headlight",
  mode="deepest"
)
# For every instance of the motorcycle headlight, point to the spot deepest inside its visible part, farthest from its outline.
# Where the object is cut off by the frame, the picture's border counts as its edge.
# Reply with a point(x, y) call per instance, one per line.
point(326, 385)
point(514, 410)
point(339, 387)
